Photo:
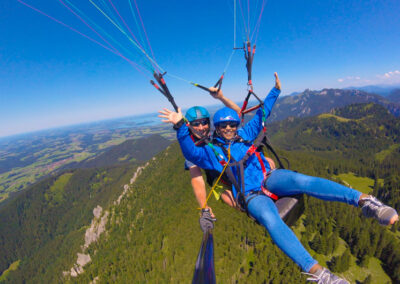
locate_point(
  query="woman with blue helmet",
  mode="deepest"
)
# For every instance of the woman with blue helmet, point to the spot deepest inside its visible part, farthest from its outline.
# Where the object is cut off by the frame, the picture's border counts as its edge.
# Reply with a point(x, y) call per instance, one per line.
point(278, 182)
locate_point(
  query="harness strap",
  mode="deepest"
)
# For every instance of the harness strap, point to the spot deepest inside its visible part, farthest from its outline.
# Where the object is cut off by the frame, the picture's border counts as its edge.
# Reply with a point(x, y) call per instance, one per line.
point(269, 146)
point(266, 174)
point(222, 173)
point(264, 171)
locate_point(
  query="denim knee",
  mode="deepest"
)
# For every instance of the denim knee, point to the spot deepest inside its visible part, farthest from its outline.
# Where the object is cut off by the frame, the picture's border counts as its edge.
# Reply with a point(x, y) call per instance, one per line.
point(269, 220)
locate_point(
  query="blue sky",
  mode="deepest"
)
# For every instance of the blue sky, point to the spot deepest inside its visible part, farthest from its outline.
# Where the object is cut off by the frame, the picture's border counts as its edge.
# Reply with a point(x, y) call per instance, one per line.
point(51, 76)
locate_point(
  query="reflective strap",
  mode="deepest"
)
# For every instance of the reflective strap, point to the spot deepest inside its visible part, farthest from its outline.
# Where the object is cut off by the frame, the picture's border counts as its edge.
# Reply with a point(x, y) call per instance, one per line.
point(264, 189)
point(269, 193)
point(262, 164)
point(251, 150)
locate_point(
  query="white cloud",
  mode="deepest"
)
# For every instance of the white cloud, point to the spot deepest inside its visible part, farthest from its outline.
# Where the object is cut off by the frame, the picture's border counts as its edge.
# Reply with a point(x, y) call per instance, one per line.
point(391, 77)
point(392, 74)
point(352, 80)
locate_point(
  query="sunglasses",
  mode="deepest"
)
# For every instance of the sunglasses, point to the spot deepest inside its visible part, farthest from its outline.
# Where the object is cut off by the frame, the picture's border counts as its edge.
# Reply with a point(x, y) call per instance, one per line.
point(202, 122)
point(231, 124)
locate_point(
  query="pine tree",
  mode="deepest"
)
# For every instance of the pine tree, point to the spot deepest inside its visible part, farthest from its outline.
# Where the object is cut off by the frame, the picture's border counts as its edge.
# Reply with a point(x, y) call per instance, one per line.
point(368, 280)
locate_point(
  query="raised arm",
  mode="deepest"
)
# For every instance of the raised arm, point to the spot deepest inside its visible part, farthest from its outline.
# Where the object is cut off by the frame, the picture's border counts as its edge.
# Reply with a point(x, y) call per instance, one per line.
point(251, 130)
point(217, 94)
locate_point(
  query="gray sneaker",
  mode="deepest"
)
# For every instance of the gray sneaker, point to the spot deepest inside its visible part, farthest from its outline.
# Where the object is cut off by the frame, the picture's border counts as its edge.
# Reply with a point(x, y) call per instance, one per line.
point(324, 276)
point(372, 207)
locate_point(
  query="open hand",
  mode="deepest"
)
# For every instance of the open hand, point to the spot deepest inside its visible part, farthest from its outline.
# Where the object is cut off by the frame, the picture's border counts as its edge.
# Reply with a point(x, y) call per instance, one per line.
point(171, 116)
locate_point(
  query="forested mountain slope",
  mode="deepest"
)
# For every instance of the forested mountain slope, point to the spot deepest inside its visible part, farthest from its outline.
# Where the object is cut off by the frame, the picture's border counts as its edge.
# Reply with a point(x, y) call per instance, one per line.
point(153, 236)
point(130, 151)
point(361, 134)
point(44, 227)
point(394, 96)
point(49, 218)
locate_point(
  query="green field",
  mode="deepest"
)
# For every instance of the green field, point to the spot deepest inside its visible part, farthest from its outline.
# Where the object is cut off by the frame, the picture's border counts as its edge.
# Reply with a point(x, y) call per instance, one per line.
point(328, 115)
point(56, 192)
point(384, 153)
point(363, 184)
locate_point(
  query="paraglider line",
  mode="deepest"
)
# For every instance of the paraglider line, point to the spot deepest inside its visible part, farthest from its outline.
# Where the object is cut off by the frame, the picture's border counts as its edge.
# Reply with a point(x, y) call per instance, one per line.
point(136, 22)
point(65, 25)
point(147, 65)
point(145, 33)
point(248, 15)
point(234, 23)
point(123, 21)
point(229, 60)
point(83, 21)
point(133, 64)
point(124, 33)
point(244, 22)
point(257, 28)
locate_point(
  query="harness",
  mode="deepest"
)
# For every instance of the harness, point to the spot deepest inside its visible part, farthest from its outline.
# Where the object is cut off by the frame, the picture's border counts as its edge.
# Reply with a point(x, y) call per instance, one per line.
point(239, 167)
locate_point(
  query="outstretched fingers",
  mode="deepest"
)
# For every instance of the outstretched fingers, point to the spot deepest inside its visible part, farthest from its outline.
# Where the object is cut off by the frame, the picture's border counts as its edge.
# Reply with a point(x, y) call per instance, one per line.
point(165, 113)
point(170, 116)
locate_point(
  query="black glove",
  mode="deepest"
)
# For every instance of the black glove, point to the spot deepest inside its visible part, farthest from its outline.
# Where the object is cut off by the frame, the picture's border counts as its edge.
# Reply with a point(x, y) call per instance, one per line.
point(206, 221)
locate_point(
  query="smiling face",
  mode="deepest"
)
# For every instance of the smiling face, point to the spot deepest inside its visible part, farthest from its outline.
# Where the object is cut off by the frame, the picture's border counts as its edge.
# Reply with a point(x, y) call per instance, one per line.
point(228, 129)
point(201, 126)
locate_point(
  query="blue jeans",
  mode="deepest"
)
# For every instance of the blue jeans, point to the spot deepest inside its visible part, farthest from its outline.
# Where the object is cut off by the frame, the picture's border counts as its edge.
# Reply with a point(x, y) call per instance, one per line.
point(287, 183)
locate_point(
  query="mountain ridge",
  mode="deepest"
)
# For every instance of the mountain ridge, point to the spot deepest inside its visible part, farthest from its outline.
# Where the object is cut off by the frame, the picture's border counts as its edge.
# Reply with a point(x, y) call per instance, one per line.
point(310, 103)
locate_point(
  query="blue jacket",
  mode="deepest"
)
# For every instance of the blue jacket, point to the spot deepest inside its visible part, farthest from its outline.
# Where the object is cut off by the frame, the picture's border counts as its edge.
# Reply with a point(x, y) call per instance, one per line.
point(205, 158)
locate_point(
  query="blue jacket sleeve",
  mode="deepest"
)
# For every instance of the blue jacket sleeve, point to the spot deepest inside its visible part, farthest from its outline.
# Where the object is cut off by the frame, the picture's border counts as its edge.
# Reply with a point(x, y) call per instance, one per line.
point(251, 130)
point(200, 156)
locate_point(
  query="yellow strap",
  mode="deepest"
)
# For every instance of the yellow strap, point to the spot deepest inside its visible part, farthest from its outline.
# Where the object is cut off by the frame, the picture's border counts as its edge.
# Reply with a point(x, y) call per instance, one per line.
point(215, 184)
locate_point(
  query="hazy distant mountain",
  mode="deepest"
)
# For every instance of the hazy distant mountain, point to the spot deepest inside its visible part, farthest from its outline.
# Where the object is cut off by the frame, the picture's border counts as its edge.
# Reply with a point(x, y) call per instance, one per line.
point(294, 93)
point(383, 90)
point(394, 96)
point(310, 103)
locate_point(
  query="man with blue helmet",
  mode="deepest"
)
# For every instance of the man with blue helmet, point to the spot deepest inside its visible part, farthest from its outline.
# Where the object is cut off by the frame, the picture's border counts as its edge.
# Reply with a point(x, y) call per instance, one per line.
point(199, 120)
point(260, 185)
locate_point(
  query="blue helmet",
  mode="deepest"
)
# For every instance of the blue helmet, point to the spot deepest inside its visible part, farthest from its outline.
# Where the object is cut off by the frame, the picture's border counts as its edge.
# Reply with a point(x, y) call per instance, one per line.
point(196, 112)
point(225, 114)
